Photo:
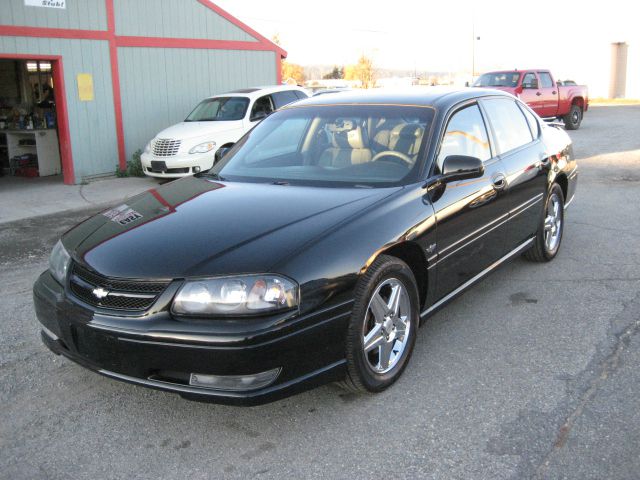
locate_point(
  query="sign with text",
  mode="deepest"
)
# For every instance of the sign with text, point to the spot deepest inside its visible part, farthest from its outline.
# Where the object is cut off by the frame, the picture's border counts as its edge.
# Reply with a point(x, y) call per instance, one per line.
point(85, 87)
point(46, 3)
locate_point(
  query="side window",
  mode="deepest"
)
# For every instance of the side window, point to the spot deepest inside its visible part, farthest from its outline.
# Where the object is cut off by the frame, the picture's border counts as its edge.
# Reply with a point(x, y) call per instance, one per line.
point(284, 98)
point(301, 95)
point(529, 80)
point(545, 80)
point(466, 134)
point(509, 123)
point(261, 108)
point(534, 126)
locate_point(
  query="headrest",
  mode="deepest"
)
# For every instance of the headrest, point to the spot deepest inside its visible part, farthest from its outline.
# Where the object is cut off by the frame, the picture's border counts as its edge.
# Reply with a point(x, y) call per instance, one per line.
point(349, 138)
point(406, 138)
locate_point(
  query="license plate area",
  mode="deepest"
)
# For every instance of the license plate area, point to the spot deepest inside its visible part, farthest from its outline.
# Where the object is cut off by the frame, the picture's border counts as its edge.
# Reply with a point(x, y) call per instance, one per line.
point(158, 166)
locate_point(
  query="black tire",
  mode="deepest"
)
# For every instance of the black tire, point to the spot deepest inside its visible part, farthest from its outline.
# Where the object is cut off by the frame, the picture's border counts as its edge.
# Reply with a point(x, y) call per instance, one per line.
point(361, 375)
point(542, 251)
point(573, 119)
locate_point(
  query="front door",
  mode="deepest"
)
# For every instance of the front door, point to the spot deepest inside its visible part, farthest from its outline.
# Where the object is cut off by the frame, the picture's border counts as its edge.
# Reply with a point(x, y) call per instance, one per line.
point(470, 214)
point(531, 93)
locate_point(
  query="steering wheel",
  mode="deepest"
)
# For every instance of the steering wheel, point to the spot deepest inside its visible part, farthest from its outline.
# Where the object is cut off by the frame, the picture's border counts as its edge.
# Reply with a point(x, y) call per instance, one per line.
point(393, 153)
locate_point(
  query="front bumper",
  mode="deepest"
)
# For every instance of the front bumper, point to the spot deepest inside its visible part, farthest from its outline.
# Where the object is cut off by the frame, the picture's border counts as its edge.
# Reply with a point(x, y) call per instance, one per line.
point(159, 352)
point(177, 166)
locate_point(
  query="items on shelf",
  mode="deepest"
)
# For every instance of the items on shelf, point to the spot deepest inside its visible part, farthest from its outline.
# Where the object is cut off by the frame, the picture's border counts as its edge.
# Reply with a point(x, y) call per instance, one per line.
point(25, 165)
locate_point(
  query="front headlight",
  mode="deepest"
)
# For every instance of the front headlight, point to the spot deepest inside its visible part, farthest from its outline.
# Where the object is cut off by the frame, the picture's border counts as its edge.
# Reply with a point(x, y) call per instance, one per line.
point(236, 295)
point(59, 262)
point(203, 147)
point(147, 149)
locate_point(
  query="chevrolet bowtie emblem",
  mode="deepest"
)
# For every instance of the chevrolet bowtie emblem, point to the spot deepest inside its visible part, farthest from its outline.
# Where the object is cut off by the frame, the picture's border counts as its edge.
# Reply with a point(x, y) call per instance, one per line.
point(100, 292)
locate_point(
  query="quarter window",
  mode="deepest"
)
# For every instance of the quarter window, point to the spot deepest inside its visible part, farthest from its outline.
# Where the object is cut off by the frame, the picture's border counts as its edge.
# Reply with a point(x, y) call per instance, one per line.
point(509, 123)
point(466, 134)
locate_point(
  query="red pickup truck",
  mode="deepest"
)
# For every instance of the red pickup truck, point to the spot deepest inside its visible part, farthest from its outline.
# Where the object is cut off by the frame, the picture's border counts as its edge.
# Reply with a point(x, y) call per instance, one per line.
point(539, 90)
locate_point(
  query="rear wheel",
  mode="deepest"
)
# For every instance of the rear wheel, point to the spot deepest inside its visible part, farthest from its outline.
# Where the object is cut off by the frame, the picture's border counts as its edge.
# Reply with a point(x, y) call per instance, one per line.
point(383, 326)
point(549, 234)
point(573, 119)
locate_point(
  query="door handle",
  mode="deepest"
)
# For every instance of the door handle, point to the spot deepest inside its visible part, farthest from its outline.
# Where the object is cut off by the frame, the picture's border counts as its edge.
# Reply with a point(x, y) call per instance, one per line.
point(499, 181)
point(538, 93)
point(553, 93)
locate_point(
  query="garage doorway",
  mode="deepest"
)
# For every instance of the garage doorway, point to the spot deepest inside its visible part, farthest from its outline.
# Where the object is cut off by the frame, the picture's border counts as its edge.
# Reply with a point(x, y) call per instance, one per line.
point(34, 131)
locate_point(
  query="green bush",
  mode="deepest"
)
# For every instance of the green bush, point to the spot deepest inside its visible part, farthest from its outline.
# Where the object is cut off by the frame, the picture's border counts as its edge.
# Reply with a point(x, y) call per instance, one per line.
point(134, 167)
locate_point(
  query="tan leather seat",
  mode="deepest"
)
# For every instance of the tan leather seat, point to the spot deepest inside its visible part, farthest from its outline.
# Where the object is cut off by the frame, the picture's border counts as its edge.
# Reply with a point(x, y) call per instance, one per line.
point(406, 138)
point(349, 147)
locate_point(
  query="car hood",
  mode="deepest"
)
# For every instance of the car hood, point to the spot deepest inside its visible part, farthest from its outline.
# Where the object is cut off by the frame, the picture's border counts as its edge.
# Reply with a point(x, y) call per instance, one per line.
point(199, 227)
point(186, 130)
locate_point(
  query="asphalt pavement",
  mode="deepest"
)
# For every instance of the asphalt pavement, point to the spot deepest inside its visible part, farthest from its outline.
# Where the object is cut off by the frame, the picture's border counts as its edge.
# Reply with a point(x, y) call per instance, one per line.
point(533, 373)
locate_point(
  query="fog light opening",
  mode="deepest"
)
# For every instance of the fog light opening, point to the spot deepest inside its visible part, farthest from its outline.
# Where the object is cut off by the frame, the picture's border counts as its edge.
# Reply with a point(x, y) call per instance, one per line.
point(234, 382)
point(196, 169)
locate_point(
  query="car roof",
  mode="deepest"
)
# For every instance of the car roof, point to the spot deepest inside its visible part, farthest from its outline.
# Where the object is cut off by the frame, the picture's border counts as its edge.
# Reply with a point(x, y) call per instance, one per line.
point(255, 92)
point(438, 97)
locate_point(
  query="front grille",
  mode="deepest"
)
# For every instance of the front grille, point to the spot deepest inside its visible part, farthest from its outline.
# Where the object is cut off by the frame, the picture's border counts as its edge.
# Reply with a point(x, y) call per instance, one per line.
point(164, 147)
point(116, 294)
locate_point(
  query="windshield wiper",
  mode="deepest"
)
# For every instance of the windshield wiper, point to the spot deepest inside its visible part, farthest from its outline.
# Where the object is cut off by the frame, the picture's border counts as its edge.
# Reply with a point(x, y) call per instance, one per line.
point(213, 175)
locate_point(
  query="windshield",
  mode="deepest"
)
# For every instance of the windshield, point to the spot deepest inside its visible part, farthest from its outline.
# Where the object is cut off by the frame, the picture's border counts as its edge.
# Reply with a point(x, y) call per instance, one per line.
point(362, 145)
point(498, 79)
point(219, 109)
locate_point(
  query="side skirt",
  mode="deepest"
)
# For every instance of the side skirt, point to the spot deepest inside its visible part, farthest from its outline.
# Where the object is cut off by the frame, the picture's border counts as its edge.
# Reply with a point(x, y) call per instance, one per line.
point(446, 299)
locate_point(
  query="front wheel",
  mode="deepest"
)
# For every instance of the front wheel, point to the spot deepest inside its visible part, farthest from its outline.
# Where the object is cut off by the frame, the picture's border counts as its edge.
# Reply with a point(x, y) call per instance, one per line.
point(573, 119)
point(383, 326)
point(550, 229)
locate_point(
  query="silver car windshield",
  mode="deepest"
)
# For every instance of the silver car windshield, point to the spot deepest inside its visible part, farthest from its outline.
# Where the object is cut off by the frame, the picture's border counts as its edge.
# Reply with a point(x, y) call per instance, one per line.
point(219, 109)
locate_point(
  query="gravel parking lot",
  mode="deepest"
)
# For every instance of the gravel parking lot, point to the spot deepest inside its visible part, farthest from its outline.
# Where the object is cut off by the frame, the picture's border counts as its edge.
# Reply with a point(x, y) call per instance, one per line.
point(531, 374)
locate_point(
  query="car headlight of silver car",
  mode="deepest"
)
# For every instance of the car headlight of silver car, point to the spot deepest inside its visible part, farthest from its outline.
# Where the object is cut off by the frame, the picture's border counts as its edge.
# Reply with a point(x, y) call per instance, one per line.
point(147, 149)
point(236, 295)
point(59, 262)
point(203, 147)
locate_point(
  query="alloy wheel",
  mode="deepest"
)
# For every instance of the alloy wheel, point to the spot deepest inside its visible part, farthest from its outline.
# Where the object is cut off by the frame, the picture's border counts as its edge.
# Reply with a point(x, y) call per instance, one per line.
point(553, 223)
point(387, 326)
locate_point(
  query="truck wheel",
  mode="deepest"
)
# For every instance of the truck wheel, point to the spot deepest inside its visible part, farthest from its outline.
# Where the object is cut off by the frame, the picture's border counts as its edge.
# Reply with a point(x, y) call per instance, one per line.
point(573, 118)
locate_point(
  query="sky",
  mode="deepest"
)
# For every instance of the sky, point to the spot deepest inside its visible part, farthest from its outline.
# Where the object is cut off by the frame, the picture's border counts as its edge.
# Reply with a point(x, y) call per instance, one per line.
point(571, 38)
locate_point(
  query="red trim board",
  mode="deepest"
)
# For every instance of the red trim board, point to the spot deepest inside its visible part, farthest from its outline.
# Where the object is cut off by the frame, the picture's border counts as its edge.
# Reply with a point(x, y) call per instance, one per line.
point(115, 41)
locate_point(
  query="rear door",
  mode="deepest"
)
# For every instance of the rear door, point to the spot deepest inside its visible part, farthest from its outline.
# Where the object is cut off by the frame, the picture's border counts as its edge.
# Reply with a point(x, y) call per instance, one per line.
point(516, 135)
point(470, 214)
point(549, 95)
point(531, 93)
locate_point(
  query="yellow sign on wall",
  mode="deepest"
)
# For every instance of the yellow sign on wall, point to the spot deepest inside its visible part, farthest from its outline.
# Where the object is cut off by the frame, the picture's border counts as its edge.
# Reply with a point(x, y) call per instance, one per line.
point(85, 87)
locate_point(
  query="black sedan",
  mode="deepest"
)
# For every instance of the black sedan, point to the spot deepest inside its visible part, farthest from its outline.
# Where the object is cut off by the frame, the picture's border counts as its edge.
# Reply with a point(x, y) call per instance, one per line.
point(313, 250)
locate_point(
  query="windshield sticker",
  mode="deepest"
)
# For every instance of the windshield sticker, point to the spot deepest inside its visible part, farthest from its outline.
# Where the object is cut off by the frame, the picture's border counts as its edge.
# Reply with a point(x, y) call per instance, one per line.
point(124, 215)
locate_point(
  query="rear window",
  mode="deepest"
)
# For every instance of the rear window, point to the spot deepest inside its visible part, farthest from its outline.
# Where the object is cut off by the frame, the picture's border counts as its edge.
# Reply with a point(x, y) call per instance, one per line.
point(509, 123)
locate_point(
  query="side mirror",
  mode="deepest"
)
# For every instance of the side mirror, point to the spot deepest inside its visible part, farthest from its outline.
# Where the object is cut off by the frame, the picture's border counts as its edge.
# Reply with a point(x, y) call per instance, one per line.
point(259, 116)
point(461, 167)
point(222, 151)
point(456, 167)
